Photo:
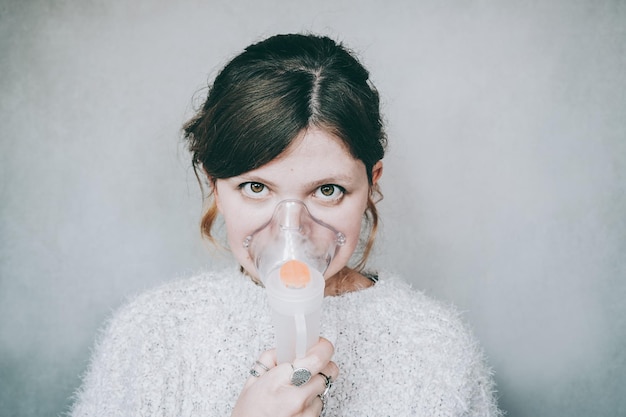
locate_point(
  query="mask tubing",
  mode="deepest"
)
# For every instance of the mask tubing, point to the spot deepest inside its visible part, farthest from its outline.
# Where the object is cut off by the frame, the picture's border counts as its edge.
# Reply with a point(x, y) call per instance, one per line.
point(302, 336)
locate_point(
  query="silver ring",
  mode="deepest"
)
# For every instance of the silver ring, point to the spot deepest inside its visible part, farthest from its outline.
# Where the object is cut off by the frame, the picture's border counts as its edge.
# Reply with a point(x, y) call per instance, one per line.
point(256, 373)
point(328, 381)
point(324, 404)
point(300, 376)
point(262, 365)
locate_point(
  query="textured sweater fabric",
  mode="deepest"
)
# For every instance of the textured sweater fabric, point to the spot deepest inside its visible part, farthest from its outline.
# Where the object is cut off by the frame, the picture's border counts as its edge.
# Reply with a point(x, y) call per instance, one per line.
point(185, 349)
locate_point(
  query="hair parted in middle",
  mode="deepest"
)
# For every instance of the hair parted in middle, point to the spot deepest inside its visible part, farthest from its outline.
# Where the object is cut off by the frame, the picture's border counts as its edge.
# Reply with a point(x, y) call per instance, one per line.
point(275, 89)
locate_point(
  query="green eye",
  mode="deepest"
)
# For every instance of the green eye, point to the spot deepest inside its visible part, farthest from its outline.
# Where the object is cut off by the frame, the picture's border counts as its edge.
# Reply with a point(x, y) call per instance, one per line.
point(330, 192)
point(256, 187)
point(327, 190)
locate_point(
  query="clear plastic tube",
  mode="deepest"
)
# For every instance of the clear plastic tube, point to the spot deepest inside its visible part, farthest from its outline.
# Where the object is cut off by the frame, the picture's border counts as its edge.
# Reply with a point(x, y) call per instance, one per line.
point(295, 314)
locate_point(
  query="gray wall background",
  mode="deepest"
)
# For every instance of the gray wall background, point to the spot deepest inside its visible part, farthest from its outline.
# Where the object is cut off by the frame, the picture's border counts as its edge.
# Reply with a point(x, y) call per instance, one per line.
point(504, 183)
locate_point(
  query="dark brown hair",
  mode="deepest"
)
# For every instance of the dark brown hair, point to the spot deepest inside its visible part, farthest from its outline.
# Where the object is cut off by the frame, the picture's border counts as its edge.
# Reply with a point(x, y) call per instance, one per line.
point(264, 97)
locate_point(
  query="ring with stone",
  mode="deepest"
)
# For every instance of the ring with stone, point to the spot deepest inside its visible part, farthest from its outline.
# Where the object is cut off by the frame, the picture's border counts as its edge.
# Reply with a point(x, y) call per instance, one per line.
point(256, 373)
point(300, 376)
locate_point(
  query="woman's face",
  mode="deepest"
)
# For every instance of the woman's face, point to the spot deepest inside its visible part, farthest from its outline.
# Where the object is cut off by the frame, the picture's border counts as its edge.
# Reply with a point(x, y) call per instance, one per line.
point(316, 169)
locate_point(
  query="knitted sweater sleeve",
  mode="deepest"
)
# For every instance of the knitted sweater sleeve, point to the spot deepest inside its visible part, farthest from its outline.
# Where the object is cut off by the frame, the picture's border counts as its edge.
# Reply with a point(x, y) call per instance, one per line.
point(114, 379)
point(466, 382)
point(177, 350)
point(430, 348)
point(468, 377)
point(482, 400)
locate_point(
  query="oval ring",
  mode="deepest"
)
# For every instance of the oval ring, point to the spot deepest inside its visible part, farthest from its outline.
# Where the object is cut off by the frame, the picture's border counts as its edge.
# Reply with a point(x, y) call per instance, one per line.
point(300, 376)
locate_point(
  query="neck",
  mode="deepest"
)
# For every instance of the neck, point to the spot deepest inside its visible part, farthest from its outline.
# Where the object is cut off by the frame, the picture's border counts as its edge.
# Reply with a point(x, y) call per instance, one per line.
point(346, 280)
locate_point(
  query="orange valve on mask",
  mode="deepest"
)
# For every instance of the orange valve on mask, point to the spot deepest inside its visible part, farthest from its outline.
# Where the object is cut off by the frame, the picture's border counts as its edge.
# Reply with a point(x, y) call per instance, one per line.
point(295, 274)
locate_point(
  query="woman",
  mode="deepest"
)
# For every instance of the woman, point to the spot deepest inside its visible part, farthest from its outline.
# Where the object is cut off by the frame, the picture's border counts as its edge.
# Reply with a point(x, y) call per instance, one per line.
point(293, 117)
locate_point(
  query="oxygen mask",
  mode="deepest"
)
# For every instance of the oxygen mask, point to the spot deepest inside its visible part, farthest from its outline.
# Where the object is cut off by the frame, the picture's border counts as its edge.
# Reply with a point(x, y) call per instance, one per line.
point(291, 253)
point(292, 234)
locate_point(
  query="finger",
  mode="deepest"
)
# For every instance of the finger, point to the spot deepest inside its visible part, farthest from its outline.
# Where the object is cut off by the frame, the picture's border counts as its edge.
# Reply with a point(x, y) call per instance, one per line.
point(319, 383)
point(323, 405)
point(265, 363)
point(258, 368)
point(319, 406)
point(267, 359)
point(328, 375)
point(317, 357)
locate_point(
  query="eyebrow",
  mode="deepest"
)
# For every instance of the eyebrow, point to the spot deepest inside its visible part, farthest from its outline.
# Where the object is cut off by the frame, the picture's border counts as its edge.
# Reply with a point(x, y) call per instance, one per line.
point(345, 179)
point(251, 178)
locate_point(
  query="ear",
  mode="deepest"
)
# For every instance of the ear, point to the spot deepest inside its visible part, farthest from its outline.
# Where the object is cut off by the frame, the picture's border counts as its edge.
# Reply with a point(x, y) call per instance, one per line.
point(377, 172)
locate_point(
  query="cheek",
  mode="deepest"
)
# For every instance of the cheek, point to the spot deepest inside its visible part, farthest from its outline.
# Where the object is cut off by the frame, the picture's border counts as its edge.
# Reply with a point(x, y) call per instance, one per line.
point(352, 231)
point(349, 221)
point(350, 226)
point(239, 225)
point(236, 233)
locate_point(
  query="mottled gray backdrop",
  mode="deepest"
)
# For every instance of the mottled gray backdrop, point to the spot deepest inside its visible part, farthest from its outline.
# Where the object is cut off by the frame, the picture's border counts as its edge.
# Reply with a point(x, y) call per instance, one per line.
point(504, 183)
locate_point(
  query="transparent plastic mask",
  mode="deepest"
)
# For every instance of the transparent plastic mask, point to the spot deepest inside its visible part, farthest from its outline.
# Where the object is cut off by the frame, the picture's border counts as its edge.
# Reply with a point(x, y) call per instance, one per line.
point(293, 233)
point(291, 252)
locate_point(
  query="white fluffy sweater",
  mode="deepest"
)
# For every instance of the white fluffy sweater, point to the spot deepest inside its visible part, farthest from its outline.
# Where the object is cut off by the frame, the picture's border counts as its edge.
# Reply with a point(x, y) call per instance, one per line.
point(185, 348)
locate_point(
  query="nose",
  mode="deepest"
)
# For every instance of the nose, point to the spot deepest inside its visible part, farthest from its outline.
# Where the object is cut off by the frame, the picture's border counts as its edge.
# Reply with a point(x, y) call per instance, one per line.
point(290, 215)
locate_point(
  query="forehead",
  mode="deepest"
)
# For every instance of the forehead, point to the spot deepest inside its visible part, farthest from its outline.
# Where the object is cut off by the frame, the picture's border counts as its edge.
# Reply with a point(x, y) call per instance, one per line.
point(313, 141)
point(314, 152)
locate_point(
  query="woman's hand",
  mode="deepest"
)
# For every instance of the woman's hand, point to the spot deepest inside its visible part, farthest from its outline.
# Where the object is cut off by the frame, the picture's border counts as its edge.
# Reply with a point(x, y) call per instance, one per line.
point(272, 393)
